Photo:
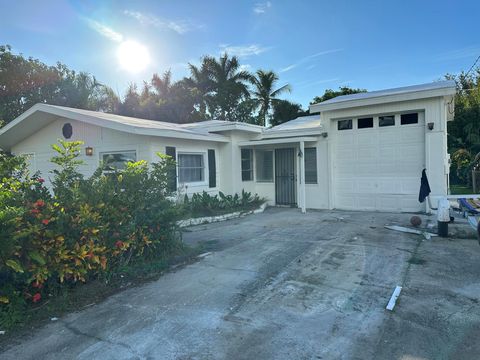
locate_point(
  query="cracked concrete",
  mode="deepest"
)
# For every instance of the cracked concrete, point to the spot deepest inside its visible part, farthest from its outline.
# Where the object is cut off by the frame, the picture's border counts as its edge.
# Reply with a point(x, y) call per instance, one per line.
point(286, 285)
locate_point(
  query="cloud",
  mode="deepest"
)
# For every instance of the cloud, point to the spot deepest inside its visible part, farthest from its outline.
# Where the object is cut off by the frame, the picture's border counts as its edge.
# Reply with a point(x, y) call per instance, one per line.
point(325, 52)
point(179, 26)
point(309, 58)
point(104, 30)
point(245, 67)
point(288, 68)
point(243, 51)
point(261, 8)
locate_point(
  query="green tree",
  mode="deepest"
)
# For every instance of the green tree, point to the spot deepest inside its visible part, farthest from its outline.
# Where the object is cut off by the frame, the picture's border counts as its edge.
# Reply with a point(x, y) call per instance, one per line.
point(201, 86)
point(284, 110)
point(265, 92)
point(464, 131)
point(229, 85)
point(330, 94)
point(27, 81)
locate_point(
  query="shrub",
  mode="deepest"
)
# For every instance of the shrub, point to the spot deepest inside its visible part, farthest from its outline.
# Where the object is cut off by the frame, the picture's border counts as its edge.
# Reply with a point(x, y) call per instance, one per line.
point(201, 204)
point(84, 228)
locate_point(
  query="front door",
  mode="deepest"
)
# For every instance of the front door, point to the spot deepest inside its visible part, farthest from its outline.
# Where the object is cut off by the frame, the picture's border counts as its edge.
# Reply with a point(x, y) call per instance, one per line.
point(285, 179)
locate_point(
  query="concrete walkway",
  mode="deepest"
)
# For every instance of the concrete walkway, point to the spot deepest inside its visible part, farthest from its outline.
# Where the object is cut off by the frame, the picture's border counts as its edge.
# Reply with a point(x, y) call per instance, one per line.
point(286, 285)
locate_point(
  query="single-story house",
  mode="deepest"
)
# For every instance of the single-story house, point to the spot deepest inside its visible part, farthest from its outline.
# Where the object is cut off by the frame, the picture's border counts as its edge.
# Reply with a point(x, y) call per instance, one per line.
point(363, 152)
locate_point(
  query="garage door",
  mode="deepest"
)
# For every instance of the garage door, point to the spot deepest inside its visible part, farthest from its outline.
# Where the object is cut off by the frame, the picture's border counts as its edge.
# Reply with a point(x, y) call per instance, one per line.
point(378, 163)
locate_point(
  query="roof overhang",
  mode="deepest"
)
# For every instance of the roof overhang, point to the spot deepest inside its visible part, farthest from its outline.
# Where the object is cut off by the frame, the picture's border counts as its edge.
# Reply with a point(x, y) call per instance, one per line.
point(21, 128)
point(292, 133)
point(290, 140)
point(383, 99)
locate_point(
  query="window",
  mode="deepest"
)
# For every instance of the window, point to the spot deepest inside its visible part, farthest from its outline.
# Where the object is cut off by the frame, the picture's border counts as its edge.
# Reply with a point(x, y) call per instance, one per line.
point(365, 123)
point(191, 168)
point(117, 160)
point(344, 124)
point(388, 120)
point(310, 165)
point(264, 165)
point(247, 165)
point(407, 119)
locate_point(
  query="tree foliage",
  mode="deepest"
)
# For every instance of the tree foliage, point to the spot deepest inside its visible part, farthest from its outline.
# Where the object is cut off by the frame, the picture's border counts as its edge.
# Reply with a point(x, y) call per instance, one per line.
point(265, 93)
point(27, 81)
point(464, 131)
point(330, 94)
point(284, 110)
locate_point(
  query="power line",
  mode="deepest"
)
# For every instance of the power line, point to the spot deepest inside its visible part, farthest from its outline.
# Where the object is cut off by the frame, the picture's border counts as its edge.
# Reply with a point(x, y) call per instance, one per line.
point(475, 63)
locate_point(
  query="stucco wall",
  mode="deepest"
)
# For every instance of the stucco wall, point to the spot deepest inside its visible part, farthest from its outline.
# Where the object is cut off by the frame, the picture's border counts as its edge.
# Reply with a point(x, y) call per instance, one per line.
point(435, 111)
point(104, 140)
point(101, 139)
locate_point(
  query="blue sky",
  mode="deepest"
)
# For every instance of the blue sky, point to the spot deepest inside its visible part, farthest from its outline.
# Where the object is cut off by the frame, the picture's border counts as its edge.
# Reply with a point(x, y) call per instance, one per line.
point(312, 45)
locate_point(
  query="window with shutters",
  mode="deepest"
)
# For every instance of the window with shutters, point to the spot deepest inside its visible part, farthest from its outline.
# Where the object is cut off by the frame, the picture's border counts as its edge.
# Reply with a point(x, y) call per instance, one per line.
point(247, 164)
point(191, 168)
point(264, 165)
point(310, 165)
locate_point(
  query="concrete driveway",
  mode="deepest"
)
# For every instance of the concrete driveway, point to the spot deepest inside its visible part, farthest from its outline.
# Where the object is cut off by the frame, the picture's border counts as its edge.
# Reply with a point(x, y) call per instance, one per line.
point(284, 285)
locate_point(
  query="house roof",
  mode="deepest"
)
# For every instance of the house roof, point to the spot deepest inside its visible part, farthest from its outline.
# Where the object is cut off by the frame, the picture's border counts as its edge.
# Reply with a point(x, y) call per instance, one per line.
point(434, 89)
point(303, 125)
point(43, 114)
point(222, 125)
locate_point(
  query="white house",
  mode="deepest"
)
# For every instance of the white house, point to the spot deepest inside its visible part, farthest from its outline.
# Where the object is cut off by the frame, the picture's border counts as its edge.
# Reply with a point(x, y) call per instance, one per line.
point(363, 152)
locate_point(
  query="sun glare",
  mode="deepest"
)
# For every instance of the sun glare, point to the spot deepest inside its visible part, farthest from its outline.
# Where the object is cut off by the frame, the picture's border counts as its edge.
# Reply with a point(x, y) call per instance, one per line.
point(132, 56)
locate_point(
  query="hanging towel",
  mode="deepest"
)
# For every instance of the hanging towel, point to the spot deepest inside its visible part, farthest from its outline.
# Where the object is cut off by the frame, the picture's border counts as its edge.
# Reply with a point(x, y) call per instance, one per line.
point(424, 187)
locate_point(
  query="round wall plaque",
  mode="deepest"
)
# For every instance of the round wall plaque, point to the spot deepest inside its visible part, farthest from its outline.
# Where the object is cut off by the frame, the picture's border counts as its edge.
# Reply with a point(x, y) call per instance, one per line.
point(67, 131)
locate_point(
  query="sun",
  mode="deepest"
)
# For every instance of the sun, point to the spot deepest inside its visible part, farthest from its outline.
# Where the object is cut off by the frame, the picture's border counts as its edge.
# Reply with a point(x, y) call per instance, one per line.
point(132, 56)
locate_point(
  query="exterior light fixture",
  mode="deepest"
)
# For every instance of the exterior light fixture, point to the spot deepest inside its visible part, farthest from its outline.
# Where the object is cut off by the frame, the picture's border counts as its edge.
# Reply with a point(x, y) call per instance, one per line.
point(430, 125)
point(300, 154)
point(89, 151)
point(324, 134)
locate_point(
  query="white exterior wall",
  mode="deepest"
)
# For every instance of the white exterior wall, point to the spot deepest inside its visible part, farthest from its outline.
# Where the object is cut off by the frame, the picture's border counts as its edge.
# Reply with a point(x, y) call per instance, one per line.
point(105, 140)
point(436, 159)
point(101, 139)
point(232, 170)
point(317, 195)
point(191, 146)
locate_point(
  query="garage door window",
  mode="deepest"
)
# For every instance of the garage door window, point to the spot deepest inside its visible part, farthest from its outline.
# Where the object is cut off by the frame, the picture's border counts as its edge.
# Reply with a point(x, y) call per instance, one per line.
point(310, 165)
point(386, 121)
point(365, 123)
point(407, 119)
point(344, 124)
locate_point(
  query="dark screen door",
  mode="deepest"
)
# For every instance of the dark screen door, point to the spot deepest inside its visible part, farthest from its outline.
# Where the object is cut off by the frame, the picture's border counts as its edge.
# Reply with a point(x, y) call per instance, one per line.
point(285, 179)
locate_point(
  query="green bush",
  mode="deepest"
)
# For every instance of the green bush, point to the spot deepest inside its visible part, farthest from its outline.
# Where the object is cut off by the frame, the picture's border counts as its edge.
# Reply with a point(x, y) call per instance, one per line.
point(204, 204)
point(83, 228)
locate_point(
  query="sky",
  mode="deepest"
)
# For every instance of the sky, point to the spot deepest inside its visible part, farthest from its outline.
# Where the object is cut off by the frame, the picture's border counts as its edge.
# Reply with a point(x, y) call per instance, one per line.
point(311, 45)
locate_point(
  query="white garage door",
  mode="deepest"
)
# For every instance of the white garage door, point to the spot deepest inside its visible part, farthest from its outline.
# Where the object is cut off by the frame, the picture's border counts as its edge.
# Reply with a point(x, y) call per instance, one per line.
point(379, 167)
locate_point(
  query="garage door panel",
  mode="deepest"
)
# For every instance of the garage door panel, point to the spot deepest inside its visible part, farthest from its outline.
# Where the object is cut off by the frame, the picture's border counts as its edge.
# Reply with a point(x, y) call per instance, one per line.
point(366, 138)
point(379, 168)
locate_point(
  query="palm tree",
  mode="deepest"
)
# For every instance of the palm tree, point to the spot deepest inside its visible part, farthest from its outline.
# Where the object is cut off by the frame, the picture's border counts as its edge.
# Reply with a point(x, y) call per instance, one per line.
point(264, 94)
point(162, 84)
point(229, 84)
point(200, 85)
